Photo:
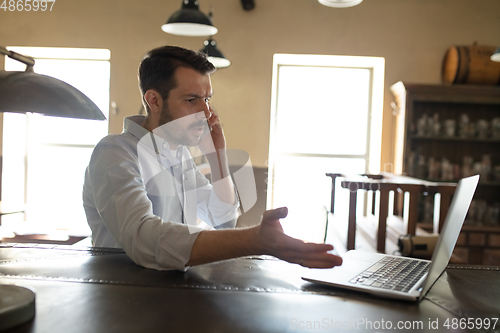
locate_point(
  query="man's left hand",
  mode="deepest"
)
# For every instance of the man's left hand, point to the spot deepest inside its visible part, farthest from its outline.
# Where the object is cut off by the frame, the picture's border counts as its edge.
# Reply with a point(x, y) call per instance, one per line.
point(216, 134)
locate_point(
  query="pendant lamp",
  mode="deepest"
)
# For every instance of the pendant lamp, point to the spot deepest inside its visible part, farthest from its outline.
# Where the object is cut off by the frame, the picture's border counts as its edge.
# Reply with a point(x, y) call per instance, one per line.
point(214, 55)
point(496, 56)
point(340, 3)
point(27, 91)
point(189, 21)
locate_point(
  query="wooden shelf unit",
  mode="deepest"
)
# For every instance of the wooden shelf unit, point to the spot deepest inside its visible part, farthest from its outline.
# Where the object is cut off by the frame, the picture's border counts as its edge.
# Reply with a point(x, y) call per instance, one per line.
point(412, 101)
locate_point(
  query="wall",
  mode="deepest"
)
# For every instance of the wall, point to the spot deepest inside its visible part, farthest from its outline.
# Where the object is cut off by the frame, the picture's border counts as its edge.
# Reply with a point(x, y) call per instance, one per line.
point(412, 35)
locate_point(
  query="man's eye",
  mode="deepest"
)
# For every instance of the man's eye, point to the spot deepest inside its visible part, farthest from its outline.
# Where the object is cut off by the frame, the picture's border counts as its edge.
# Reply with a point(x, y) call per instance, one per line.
point(191, 100)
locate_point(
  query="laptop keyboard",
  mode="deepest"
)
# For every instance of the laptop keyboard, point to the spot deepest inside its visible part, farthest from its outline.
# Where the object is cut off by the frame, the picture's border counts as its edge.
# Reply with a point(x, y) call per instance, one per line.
point(393, 273)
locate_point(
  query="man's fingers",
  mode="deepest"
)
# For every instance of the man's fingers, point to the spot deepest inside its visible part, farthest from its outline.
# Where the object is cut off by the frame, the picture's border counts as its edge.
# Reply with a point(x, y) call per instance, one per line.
point(311, 255)
point(211, 110)
point(327, 261)
point(275, 214)
point(316, 247)
point(294, 244)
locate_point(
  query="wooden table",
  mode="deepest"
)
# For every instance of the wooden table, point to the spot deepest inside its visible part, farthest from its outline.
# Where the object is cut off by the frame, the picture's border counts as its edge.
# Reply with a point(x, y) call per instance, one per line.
point(81, 290)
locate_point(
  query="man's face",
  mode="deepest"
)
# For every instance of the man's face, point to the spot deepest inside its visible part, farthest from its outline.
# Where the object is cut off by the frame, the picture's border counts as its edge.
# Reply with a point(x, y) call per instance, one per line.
point(188, 106)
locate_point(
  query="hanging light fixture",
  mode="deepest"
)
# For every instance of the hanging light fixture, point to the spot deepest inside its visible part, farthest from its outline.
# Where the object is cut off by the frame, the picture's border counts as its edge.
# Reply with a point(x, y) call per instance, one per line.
point(189, 21)
point(496, 56)
point(214, 55)
point(340, 3)
point(27, 91)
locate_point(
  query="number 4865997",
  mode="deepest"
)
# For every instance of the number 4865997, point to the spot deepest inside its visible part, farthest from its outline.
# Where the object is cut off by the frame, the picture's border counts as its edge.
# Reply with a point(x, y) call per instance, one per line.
point(27, 5)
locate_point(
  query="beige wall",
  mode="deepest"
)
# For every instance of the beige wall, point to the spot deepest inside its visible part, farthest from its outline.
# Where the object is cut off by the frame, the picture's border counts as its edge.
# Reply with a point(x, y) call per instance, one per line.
point(412, 35)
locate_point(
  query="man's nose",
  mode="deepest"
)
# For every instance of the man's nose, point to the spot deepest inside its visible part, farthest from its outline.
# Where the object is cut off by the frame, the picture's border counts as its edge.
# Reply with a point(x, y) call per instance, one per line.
point(206, 110)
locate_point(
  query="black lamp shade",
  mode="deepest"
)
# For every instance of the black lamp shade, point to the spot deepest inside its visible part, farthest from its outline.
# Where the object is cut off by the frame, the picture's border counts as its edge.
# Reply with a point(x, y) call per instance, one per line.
point(23, 92)
point(214, 55)
point(189, 21)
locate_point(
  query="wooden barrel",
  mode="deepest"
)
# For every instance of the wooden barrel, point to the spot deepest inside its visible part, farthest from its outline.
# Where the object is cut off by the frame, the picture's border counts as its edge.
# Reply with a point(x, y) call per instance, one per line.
point(471, 65)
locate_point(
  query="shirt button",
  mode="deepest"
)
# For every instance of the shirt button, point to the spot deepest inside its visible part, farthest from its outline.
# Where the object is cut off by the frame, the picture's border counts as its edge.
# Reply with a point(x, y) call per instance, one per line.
point(164, 145)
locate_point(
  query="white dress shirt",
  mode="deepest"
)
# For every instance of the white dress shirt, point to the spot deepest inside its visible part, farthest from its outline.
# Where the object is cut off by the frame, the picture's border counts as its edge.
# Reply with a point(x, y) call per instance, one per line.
point(149, 210)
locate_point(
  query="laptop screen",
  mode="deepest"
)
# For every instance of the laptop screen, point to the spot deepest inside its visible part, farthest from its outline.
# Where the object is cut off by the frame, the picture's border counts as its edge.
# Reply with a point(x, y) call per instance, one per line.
point(451, 229)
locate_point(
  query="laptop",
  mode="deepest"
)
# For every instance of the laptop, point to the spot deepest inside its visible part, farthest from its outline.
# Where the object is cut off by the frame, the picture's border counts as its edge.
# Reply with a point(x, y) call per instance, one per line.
point(399, 277)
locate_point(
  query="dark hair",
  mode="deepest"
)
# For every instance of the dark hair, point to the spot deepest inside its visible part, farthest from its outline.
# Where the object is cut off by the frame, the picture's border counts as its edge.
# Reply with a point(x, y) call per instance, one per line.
point(157, 68)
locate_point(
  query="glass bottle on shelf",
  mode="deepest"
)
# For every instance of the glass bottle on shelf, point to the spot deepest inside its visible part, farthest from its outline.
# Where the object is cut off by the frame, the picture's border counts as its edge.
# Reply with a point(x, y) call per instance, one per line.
point(436, 125)
point(449, 128)
point(422, 125)
point(464, 125)
point(495, 128)
point(482, 127)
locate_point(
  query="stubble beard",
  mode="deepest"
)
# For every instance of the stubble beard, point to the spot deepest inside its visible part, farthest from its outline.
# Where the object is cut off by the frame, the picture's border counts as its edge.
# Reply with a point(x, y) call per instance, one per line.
point(176, 134)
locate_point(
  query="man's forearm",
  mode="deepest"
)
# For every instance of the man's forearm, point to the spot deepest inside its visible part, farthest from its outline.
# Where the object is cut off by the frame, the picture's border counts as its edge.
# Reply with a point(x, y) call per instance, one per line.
point(265, 238)
point(215, 245)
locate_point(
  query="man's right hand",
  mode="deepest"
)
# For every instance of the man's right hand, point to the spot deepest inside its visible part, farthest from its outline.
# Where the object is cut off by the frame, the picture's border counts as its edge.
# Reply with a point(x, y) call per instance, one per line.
point(272, 240)
point(267, 238)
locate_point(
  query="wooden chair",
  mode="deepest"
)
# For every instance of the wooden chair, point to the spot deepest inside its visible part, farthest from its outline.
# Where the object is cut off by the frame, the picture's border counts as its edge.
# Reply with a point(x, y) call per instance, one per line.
point(384, 184)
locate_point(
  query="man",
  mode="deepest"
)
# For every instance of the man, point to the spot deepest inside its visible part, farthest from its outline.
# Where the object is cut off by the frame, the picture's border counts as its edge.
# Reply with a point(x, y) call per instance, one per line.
point(142, 190)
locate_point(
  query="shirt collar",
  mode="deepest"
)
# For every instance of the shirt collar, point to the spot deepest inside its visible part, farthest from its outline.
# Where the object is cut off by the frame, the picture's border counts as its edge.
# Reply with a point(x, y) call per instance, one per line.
point(133, 125)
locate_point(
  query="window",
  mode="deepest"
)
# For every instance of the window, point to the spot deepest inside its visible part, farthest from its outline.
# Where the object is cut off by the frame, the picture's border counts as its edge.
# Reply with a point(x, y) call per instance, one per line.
point(326, 116)
point(44, 158)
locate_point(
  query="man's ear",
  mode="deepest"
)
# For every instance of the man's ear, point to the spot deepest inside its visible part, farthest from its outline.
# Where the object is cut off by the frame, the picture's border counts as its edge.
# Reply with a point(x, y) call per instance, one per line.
point(154, 101)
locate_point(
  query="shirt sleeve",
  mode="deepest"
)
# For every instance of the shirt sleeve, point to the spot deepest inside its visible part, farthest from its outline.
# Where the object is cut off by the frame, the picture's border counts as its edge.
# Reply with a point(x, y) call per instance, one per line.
point(121, 200)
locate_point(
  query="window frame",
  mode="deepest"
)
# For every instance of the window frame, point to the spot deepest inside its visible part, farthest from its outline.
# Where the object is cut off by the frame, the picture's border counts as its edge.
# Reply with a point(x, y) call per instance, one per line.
point(53, 53)
point(376, 66)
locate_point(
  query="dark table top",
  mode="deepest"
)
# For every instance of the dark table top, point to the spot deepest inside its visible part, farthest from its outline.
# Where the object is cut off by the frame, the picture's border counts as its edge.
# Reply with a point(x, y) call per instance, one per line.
point(102, 290)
